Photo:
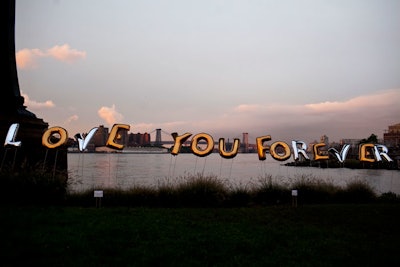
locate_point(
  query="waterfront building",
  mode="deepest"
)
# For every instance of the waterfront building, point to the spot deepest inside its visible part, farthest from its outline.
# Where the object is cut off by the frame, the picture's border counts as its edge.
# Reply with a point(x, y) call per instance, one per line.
point(101, 136)
point(391, 137)
point(354, 143)
point(245, 143)
point(324, 150)
point(139, 139)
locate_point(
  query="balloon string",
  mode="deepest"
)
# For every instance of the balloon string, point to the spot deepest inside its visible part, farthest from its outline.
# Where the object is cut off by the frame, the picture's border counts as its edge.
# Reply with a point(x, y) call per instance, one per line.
point(173, 172)
point(169, 167)
point(195, 165)
point(15, 156)
point(265, 167)
point(109, 168)
point(4, 157)
point(230, 170)
point(82, 166)
point(287, 172)
point(204, 165)
point(116, 167)
point(55, 164)
point(45, 159)
point(220, 167)
point(391, 181)
point(261, 169)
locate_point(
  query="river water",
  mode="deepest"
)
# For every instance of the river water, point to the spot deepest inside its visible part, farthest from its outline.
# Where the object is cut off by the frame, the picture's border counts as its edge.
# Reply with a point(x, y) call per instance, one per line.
point(124, 170)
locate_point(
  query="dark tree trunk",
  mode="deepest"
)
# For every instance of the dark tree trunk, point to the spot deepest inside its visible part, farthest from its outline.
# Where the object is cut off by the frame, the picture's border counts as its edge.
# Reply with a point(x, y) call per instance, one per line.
point(12, 109)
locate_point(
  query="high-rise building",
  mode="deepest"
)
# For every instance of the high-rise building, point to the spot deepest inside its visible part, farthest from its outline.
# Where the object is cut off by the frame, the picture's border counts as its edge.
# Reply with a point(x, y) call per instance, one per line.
point(101, 136)
point(245, 143)
point(138, 139)
point(324, 139)
point(123, 137)
point(392, 136)
point(354, 143)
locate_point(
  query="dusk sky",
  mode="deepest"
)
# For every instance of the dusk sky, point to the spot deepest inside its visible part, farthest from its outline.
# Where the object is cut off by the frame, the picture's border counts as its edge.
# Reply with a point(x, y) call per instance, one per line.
point(292, 69)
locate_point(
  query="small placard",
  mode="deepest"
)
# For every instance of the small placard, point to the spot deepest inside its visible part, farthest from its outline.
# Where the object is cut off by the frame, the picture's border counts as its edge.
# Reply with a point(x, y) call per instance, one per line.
point(98, 193)
point(294, 193)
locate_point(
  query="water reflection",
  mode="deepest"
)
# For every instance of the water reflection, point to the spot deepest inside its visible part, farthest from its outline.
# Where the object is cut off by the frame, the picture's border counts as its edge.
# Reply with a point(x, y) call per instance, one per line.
point(92, 171)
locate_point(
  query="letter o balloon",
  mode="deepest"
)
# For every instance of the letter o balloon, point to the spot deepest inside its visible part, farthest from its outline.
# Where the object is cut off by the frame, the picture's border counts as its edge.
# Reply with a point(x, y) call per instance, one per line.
point(46, 138)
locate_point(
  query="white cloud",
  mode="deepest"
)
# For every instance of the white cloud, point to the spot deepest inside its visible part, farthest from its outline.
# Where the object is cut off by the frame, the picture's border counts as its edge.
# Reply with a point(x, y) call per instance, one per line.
point(28, 58)
point(64, 53)
point(72, 118)
point(380, 99)
point(35, 105)
point(110, 115)
point(353, 118)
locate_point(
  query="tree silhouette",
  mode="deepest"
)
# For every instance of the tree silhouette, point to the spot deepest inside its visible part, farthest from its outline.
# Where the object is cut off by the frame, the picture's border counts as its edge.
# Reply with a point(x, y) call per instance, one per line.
point(372, 139)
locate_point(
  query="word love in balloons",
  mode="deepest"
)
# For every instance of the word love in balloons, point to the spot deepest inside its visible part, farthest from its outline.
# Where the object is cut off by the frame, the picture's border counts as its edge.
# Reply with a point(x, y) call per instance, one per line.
point(56, 137)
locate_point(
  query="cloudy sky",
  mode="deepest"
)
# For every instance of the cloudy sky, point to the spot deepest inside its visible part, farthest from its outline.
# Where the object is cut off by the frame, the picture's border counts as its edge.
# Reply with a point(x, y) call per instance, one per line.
point(292, 69)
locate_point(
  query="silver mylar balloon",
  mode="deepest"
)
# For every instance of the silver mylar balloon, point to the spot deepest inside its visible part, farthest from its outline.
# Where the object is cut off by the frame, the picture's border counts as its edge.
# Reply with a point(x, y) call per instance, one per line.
point(11, 135)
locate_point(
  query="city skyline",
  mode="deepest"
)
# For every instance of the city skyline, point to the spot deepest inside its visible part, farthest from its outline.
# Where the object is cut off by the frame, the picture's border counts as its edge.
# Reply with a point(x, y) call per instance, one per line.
point(289, 69)
point(160, 137)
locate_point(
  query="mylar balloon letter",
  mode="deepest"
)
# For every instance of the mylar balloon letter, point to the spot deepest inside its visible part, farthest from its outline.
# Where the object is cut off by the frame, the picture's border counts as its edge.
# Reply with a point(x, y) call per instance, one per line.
point(115, 136)
point(261, 149)
point(47, 137)
point(280, 156)
point(317, 154)
point(84, 141)
point(202, 152)
point(299, 150)
point(234, 150)
point(179, 140)
point(366, 151)
point(12, 133)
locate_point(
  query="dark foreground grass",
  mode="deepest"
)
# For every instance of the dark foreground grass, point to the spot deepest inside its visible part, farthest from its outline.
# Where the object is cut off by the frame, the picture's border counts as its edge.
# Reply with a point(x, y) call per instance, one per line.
point(309, 235)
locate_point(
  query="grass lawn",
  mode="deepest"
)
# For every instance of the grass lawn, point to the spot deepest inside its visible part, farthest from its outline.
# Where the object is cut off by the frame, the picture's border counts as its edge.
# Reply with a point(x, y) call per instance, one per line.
point(309, 235)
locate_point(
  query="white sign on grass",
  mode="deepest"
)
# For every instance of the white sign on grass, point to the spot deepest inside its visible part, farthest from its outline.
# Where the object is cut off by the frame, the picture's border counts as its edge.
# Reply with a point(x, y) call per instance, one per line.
point(98, 193)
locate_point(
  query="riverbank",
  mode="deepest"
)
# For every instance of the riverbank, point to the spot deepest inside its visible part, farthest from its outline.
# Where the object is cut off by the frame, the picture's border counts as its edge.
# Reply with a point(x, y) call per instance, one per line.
point(309, 235)
point(349, 163)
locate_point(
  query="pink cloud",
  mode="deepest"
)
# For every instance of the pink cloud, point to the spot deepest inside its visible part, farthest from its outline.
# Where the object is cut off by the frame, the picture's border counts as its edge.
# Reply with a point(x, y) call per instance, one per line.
point(380, 99)
point(35, 105)
point(64, 53)
point(72, 118)
point(356, 117)
point(28, 58)
point(352, 118)
point(110, 115)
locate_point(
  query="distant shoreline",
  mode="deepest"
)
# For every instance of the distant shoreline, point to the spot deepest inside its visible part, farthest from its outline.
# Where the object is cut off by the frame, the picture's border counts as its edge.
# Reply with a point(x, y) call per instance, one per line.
point(350, 163)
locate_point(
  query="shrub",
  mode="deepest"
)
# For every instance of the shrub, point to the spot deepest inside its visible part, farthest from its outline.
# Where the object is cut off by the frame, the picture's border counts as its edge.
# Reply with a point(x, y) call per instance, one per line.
point(239, 196)
point(312, 190)
point(356, 192)
point(167, 196)
point(81, 198)
point(38, 186)
point(389, 197)
point(134, 196)
point(192, 191)
point(267, 192)
point(201, 191)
